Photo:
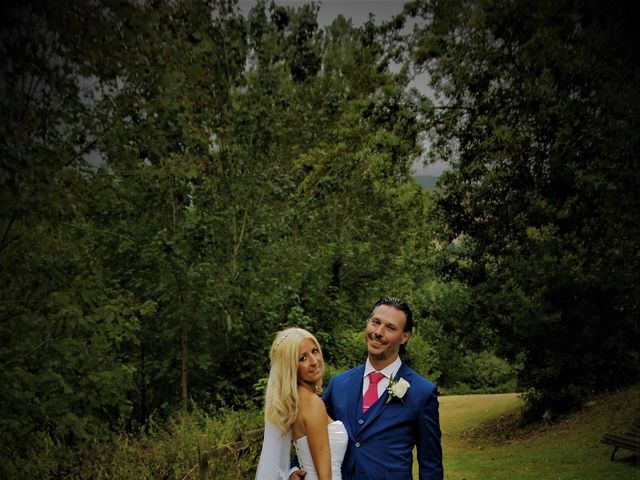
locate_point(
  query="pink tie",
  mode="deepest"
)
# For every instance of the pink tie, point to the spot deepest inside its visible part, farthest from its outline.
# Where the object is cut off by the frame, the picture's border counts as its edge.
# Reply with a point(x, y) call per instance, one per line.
point(371, 395)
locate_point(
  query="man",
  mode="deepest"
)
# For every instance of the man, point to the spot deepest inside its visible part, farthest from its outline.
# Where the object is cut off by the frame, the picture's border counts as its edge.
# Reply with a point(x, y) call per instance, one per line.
point(384, 427)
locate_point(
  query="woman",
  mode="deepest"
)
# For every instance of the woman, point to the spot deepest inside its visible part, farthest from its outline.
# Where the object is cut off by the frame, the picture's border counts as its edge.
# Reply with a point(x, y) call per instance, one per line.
point(293, 410)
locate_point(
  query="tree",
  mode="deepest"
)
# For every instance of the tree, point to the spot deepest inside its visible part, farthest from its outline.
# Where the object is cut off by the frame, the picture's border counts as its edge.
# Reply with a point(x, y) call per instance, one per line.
point(62, 327)
point(209, 179)
point(538, 114)
point(168, 183)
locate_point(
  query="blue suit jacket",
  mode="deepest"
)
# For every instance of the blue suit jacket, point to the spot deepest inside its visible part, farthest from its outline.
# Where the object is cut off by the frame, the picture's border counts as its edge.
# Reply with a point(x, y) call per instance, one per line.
point(381, 441)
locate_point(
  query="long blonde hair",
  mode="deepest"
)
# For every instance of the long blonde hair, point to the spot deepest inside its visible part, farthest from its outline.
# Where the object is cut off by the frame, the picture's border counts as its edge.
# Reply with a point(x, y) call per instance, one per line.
point(281, 401)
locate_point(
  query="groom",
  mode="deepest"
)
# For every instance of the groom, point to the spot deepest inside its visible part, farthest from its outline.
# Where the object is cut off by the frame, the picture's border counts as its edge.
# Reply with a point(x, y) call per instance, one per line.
point(384, 426)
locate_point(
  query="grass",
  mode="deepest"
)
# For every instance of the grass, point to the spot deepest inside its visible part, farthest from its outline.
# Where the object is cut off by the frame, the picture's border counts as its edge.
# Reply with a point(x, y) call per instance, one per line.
point(483, 440)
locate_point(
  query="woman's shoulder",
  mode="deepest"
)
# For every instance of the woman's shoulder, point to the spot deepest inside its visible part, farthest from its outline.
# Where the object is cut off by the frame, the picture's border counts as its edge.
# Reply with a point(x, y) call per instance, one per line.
point(307, 396)
point(310, 403)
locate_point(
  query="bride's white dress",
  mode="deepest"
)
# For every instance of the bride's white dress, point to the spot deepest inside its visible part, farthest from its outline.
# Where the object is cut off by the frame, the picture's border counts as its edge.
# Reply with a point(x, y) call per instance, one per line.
point(338, 440)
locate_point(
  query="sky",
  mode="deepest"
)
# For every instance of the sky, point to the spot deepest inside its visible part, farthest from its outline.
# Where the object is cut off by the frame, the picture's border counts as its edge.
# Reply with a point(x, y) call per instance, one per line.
point(358, 11)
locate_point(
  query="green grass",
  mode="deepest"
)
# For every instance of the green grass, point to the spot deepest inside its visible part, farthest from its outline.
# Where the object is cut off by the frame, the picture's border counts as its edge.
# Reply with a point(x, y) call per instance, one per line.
point(482, 440)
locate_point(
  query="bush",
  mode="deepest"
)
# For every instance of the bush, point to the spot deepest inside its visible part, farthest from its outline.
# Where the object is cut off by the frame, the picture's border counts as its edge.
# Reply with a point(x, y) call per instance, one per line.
point(423, 357)
point(167, 450)
point(481, 372)
point(350, 350)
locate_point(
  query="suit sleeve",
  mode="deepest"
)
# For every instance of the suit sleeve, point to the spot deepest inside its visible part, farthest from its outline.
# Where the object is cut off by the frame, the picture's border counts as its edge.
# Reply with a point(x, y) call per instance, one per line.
point(428, 445)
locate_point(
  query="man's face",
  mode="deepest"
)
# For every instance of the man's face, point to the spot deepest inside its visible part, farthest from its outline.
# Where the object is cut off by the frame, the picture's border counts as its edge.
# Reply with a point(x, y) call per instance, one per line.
point(385, 333)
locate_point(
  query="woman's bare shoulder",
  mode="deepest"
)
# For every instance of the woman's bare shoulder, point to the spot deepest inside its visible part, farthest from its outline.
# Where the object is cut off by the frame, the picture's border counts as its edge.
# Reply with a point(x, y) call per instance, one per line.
point(311, 403)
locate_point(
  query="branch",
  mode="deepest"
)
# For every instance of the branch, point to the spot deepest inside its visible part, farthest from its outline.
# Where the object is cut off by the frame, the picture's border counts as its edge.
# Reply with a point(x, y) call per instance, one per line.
point(108, 232)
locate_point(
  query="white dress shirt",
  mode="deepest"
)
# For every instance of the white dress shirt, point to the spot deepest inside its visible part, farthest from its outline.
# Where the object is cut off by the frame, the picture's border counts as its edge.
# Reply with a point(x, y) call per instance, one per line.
point(391, 369)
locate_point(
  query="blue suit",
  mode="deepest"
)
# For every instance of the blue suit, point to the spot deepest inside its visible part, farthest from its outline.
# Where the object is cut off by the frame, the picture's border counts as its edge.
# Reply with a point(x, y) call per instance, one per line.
point(381, 441)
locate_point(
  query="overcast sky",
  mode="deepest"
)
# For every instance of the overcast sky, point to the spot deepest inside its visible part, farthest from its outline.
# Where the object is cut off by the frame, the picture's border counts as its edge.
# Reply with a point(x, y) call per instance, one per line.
point(358, 11)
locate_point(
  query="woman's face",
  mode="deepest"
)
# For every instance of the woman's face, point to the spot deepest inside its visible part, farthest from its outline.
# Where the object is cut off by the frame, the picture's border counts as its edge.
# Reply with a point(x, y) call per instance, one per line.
point(310, 363)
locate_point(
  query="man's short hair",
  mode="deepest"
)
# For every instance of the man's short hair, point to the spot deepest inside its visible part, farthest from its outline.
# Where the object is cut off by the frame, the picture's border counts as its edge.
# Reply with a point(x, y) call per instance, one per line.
point(399, 305)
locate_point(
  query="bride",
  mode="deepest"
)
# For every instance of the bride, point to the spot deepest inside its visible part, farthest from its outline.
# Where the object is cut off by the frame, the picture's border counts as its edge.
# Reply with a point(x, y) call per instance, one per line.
point(294, 412)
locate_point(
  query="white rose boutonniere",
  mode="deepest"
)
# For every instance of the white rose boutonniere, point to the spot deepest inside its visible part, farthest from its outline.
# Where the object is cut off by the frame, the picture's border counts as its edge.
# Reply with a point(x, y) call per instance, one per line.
point(397, 388)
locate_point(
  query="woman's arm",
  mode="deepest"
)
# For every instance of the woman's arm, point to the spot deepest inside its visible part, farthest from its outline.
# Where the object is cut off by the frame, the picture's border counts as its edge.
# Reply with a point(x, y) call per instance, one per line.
point(314, 416)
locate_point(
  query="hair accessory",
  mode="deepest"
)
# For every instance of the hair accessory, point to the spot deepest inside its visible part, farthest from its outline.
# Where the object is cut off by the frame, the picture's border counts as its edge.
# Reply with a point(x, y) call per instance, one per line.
point(282, 338)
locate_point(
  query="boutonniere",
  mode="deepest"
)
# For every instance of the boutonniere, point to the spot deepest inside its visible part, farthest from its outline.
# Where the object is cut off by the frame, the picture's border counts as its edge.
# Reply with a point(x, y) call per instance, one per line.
point(397, 388)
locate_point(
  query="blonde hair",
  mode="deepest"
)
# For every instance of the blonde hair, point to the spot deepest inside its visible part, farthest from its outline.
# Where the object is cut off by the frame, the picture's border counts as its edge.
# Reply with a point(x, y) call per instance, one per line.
point(281, 401)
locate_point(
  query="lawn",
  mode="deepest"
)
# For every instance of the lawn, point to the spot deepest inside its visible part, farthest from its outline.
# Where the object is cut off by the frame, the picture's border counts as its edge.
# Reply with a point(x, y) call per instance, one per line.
point(482, 440)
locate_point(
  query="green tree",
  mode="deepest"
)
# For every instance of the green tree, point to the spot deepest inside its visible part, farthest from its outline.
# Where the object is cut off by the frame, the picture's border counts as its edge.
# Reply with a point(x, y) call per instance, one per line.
point(61, 326)
point(208, 179)
point(538, 112)
point(168, 179)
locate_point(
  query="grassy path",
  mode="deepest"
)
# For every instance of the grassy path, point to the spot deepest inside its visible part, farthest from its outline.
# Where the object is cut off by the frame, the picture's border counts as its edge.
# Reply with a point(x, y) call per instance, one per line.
point(481, 441)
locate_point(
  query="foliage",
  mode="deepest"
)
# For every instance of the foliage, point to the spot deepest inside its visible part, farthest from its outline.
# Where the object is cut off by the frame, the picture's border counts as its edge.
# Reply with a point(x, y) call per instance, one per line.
point(62, 327)
point(350, 349)
point(472, 426)
point(180, 182)
point(481, 372)
point(169, 449)
point(422, 356)
point(536, 109)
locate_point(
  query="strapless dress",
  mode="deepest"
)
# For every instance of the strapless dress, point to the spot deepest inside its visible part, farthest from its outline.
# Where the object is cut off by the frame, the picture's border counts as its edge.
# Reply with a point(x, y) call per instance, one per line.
point(338, 440)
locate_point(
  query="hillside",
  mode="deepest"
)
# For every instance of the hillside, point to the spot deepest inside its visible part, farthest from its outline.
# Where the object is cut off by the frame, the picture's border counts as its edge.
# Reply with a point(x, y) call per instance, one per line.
point(482, 440)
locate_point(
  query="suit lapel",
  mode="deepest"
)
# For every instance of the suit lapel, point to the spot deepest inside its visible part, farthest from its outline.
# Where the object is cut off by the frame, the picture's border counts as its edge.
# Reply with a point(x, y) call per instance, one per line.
point(381, 405)
point(375, 410)
point(354, 396)
point(403, 372)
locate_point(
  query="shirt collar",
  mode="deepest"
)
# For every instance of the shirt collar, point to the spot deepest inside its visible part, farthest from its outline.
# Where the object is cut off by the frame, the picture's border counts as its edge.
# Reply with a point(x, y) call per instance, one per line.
point(391, 369)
